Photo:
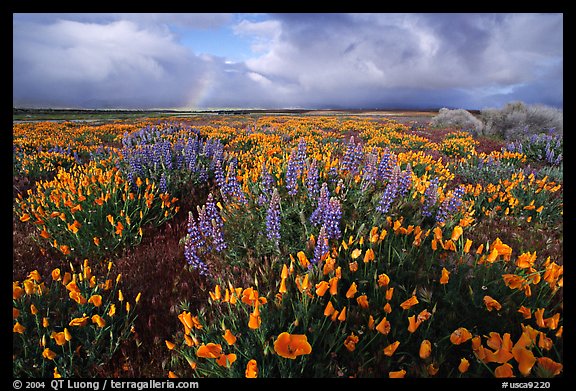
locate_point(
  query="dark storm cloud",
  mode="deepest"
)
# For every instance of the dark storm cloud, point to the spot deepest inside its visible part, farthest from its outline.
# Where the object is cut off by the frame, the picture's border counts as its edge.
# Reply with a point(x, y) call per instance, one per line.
point(297, 60)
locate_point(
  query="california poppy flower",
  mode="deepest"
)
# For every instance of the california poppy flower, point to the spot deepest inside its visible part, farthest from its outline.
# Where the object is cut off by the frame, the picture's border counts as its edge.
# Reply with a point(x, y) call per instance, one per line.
point(445, 276)
point(210, 350)
point(17, 291)
point(329, 310)
point(59, 338)
point(383, 280)
point(432, 369)
point(351, 291)
point(369, 256)
point(172, 375)
point(342, 316)
point(387, 308)
point(303, 259)
point(413, 323)
point(460, 335)
point(464, 365)
point(548, 367)
point(226, 360)
point(353, 266)
point(255, 320)
point(397, 374)
point(48, 354)
point(504, 370)
point(384, 326)
point(362, 301)
point(389, 293)
point(18, 328)
point(425, 349)
point(229, 337)
point(79, 322)
point(467, 246)
point(409, 302)
point(491, 303)
point(539, 315)
point(333, 285)
point(526, 260)
point(351, 341)
point(390, 349)
point(98, 320)
point(251, 369)
point(170, 345)
point(526, 313)
point(525, 359)
point(292, 345)
point(552, 322)
point(96, 300)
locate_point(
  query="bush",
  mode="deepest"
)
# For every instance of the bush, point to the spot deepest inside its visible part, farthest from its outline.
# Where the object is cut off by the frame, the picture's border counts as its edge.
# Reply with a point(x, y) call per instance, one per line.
point(519, 121)
point(458, 118)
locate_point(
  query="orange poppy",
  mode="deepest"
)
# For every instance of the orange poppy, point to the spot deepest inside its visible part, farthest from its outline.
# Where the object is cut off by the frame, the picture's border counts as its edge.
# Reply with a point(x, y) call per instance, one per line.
point(491, 304)
point(445, 276)
point(172, 375)
point(80, 322)
point(539, 315)
point(59, 338)
point(552, 322)
point(292, 345)
point(329, 310)
point(96, 300)
point(383, 280)
point(397, 374)
point(17, 291)
point(210, 350)
point(549, 367)
point(526, 260)
point(351, 341)
point(493, 256)
point(97, 319)
point(170, 345)
point(504, 370)
point(413, 323)
point(513, 281)
point(225, 360)
point(389, 293)
point(390, 349)
point(255, 319)
point(526, 313)
point(18, 328)
point(384, 326)
point(371, 322)
point(351, 291)
point(409, 302)
point(387, 308)
point(229, 337)
point(460, 335)
point(251, 369)
point(369, 256)
point(525, 359)
point(362, 301)
point(333, 285)
point(464, 365)
point(342, 316)
point(77, 297)
point(15, 313)
point(425, 349)
point(353, 266)
point(303, 259)
point(467, 246)
point(356, 253)
point(48, 354)
point(544, 342)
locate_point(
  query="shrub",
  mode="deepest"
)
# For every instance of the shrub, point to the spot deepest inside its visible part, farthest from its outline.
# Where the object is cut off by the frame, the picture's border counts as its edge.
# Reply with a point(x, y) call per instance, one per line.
point(71, 324)
point(517, 120)
point(459, 118)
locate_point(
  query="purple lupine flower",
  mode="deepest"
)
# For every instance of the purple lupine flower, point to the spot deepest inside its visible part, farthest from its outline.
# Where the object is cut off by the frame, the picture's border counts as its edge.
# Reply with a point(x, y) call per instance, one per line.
point(193, 245)
point(430, 197)
point(301, 155)
point(322, 247)
point(312, 180)
point(370, 171)
point(205, 225)
point(390, 192)
point(232, 187)
point(387, 165)
point(266, 184)
point(273, 218)
point(450, 205)
point(218, 237)
point(405, 181)
point(292, 174)
point(219, 174)
point(332, 216)
point(212, 211)
point(163, 185)
point(352, 157)
point(316, 218)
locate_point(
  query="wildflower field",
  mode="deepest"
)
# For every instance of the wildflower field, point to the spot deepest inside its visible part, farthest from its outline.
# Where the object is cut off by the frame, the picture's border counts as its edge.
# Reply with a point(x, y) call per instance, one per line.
point(285, 246)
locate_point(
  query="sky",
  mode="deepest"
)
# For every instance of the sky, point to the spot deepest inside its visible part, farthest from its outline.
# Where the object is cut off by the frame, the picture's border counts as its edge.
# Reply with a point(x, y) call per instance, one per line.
point(270, 61)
